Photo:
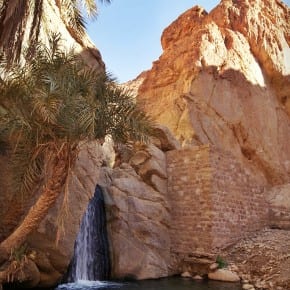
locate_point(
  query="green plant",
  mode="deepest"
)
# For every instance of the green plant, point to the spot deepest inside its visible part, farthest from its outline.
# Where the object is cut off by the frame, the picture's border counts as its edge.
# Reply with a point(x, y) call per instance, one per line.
point(50, 107)
point(221, 262)
point(22, 20)
point(20, 253)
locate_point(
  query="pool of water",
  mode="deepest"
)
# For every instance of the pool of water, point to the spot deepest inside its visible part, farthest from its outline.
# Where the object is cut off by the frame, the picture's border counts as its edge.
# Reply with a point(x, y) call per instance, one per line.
point(160, 284)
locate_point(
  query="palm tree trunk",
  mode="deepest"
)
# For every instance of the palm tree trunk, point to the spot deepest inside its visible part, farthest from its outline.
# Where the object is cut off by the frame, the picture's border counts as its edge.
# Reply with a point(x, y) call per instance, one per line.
point(51, 190)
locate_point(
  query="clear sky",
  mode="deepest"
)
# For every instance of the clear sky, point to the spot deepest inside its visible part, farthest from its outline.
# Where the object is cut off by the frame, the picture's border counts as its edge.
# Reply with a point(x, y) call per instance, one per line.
point(127, 32)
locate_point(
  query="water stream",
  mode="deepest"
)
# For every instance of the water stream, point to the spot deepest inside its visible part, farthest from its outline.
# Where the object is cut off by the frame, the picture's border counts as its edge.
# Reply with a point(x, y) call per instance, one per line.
point(90, 266)
point(91, 251)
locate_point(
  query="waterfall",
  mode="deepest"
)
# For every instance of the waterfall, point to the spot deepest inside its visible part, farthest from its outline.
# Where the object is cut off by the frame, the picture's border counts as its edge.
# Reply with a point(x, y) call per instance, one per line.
point(91, 251)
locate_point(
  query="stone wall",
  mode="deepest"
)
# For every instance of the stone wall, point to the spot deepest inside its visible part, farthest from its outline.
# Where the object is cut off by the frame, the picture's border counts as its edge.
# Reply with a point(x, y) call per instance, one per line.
point(214, 201)
point(278, 198)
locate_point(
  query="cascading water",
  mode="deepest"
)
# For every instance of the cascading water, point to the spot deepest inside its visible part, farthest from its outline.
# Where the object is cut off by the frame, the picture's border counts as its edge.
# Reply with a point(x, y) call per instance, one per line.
point(91, 260)
point(91, 251)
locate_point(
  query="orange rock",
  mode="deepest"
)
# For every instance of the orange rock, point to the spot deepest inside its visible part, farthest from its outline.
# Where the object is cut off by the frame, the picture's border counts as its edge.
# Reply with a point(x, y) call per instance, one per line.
point(223, 79)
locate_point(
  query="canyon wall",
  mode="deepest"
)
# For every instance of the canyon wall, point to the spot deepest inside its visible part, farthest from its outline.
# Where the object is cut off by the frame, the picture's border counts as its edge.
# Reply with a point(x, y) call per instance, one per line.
point(53, 22)
point(223, 79)
point(222, 87)
point(62, 222)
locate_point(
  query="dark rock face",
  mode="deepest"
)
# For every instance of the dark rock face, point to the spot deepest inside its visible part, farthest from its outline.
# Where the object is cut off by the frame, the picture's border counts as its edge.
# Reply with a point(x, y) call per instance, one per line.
point(91, 252)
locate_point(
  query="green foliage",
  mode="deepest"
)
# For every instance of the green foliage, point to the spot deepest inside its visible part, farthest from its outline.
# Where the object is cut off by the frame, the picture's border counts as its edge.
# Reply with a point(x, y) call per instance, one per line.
point(221, 262)
point(20, 253)
point(55, 100)
point(18, 17)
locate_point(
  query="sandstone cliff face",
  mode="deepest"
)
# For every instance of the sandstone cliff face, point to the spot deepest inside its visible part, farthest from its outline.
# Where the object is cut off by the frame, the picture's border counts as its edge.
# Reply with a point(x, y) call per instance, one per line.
point(138, 212)
point(54, 21)
point(52, 260)
point(216, 83)
point(223, 79)
point(53, 241)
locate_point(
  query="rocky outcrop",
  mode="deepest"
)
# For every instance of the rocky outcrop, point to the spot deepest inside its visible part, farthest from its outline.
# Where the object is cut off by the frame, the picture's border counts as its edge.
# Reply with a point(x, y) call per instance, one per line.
point(51, 259)
point(53, 242)
point(50, 248)
point(223, 79)
point(223, 275)
point(139, 215)
point(138, 212)
point(54, 21)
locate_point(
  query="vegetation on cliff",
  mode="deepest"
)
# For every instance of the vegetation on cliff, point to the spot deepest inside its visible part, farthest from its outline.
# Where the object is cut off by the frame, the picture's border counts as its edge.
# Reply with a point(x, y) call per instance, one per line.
point(48, 108)
point(20, 22)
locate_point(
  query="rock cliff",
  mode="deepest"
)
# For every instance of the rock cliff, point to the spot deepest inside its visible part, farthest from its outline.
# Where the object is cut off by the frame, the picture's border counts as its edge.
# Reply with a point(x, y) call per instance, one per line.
point(52, 260)
point(223, 79)
point(55, 22)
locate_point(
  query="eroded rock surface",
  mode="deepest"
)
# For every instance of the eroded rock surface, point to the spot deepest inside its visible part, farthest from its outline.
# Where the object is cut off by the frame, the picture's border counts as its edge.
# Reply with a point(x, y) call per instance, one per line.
point(223, 79)
point(53, 242)
point(55, 21)
point(139, 215)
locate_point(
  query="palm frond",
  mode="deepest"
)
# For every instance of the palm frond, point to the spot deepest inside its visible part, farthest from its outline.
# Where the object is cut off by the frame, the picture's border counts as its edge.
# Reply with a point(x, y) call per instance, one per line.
point(73, 17)
point(90, 7)
point(46, 107)
point(11, 21)
point(27, 168)
point(54, 100)
point(17, 17)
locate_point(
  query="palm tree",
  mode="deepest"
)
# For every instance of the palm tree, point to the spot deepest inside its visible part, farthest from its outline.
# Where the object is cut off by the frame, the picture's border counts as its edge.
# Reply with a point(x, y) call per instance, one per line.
point(47, 108)
point(18, 17)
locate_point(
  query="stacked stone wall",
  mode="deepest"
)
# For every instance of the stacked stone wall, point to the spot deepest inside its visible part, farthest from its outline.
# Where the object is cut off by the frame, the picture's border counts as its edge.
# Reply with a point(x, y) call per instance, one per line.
point(214, 201)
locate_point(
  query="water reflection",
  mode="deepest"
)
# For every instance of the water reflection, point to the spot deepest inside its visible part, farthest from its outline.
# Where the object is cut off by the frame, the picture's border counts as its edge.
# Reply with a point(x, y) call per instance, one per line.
point(161, 284)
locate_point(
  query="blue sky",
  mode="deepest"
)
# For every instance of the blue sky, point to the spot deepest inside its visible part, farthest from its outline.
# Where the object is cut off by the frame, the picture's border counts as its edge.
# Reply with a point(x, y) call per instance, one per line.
point(127, 32)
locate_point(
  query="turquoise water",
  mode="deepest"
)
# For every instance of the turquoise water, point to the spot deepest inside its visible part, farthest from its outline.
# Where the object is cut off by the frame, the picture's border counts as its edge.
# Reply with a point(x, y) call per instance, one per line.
point(160, 284)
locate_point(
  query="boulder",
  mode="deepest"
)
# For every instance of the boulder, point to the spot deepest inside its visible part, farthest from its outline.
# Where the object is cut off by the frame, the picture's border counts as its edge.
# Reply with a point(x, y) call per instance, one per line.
point(213, 266)
point(186, 275)
point(224, 275)
point(248, 287)
point(150, 165)
point(166, 138)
